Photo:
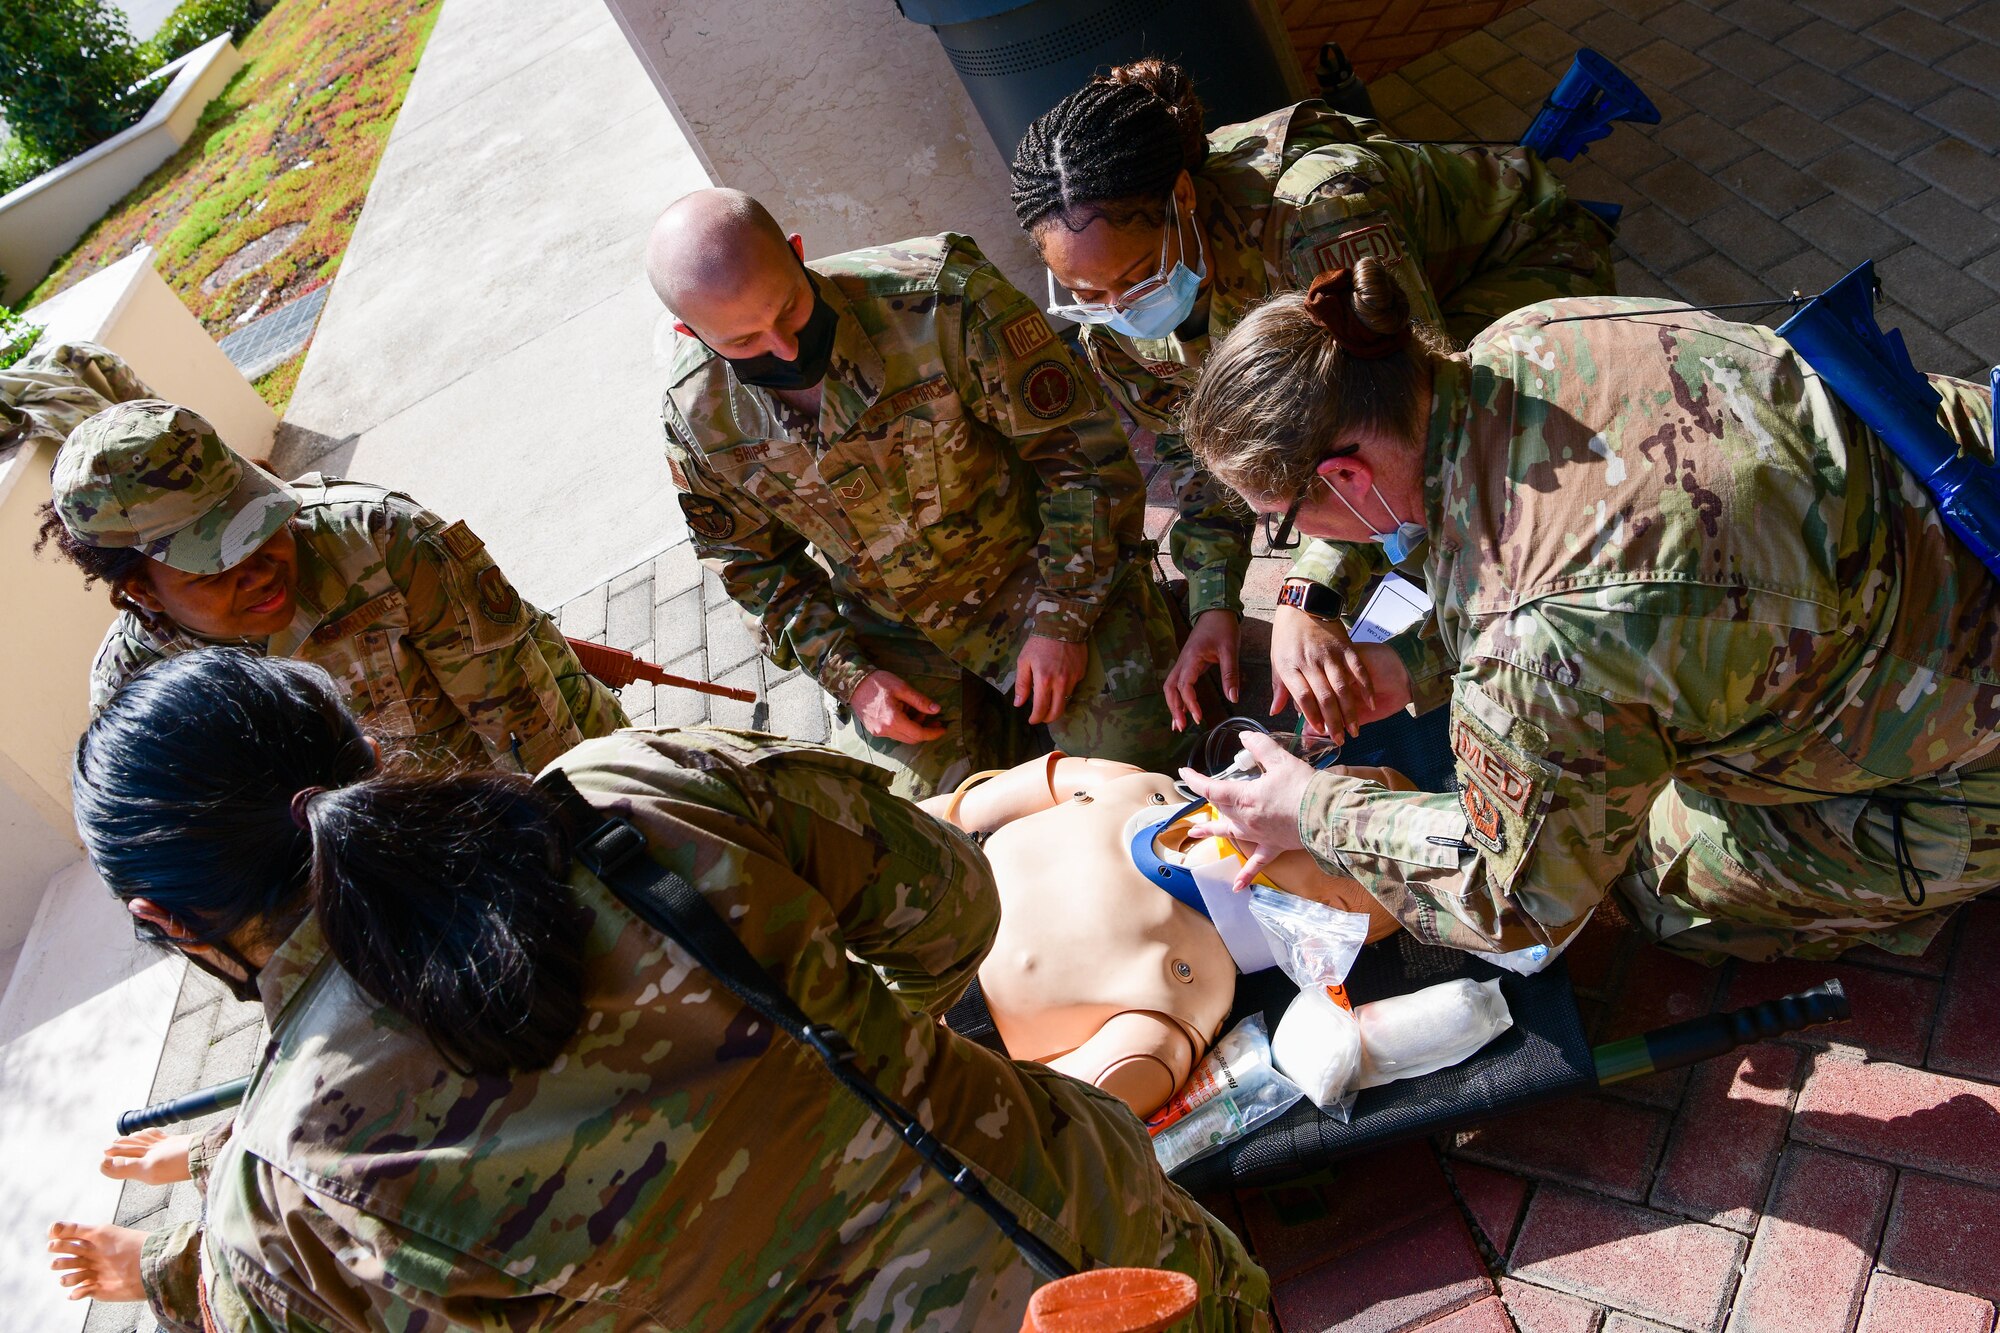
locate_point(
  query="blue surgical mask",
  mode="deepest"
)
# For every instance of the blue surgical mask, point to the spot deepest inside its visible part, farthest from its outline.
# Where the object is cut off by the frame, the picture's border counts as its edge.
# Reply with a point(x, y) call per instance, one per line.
point(1400, 542)
point(1152, 308)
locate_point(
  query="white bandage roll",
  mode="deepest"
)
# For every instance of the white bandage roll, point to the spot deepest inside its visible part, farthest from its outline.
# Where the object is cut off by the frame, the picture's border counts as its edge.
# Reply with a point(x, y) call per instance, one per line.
point(1434, 1028)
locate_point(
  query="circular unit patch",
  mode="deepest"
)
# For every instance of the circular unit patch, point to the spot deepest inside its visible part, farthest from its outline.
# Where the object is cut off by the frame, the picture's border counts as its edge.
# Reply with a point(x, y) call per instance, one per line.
point(707, 518)
point(1048, 390)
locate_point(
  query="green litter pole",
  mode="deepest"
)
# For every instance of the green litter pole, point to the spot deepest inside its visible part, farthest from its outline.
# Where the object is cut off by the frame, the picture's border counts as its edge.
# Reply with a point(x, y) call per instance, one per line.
point(221, 1097)
point(1704, 1038)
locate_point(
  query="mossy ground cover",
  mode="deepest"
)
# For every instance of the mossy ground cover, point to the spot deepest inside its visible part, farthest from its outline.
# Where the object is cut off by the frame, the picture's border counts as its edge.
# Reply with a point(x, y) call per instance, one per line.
point(291, 143)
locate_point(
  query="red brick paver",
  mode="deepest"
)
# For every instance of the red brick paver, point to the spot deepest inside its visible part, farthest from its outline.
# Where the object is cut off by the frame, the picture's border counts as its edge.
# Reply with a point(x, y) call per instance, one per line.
point(1640, 1261)
point(1398, 1283)
point(1493, 1201)
point(1539, 1310)
point(1815, 1247)
point(1945, 1233)
point(1488, 1316)
point(1294, 1227)
point(1968, 1030)
point(1727, 1138)
point(1592, 1142)
point(1910, 1117)
point(1897, 1305)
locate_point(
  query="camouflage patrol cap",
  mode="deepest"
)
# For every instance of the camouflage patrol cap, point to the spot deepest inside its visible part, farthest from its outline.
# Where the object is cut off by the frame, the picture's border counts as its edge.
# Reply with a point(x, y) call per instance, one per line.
point(155, 477)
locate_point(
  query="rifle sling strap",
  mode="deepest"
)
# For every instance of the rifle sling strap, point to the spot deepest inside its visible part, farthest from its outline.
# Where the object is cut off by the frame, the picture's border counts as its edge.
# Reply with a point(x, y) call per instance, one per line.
point(614, 850)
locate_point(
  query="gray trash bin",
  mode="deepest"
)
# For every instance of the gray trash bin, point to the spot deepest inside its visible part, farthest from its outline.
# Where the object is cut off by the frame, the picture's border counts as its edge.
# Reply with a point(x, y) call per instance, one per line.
point(1017, 59)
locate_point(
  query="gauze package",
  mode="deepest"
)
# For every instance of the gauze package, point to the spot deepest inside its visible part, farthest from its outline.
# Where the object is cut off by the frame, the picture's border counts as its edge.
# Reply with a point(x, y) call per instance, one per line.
point(1318, 1046)
point(1233, 1090)
point(1318, 1043)
point(1434, 1028)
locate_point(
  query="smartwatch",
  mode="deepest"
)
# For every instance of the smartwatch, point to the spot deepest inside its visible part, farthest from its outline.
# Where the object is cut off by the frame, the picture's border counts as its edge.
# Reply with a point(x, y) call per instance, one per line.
point(1314, 599)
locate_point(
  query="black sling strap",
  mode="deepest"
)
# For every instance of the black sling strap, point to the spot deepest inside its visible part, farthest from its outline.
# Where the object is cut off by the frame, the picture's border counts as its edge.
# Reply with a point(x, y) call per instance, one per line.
point(614, 850)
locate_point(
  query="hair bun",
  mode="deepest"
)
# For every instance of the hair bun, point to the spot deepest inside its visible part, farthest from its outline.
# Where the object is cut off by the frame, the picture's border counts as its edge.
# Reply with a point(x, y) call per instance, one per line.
point(1172, 85)
point(1366, 321)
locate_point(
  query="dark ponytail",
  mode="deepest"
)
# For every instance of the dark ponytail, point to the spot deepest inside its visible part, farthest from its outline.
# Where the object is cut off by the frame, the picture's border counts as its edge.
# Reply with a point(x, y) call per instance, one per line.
point(1112, 149)
point(443, 896)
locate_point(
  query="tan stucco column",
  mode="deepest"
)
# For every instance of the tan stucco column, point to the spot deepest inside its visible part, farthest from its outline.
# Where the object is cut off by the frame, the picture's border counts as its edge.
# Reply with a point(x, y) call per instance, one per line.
point(842, 116)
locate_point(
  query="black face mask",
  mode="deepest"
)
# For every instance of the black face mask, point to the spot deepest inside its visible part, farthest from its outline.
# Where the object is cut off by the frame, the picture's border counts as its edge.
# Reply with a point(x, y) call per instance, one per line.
point(815, 353)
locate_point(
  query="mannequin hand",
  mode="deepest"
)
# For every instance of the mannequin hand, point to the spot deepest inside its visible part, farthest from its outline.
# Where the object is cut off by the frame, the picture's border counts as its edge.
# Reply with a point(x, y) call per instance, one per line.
point(1260, 816)
point(152, 1157)
point(1213, 641)
point(885, 705)
point(98, 1263)
point(1048, 669)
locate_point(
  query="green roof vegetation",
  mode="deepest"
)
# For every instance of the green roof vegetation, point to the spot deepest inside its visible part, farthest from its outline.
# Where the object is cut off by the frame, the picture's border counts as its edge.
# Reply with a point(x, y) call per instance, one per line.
point(284, 157)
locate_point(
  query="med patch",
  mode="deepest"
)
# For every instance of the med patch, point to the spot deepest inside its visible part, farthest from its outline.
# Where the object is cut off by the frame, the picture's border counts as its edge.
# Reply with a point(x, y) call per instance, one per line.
point(1505, 782)
point(1048, 390)
point(707, 518)
point(1026, 334)
point(1350, 248)
point(460, 541)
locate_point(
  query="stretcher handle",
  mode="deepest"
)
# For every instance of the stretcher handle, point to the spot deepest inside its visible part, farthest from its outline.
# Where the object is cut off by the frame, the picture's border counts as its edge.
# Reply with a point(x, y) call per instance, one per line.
point(618, 668)
point(221, 1097)
point(1704, 1038)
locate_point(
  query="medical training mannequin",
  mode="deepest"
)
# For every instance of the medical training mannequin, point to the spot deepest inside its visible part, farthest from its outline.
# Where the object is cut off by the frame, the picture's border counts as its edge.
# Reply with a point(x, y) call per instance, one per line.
point(1096, 971)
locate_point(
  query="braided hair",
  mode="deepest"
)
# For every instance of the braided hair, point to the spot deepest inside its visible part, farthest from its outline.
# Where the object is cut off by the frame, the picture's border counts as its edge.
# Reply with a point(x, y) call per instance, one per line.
point(1112, 149)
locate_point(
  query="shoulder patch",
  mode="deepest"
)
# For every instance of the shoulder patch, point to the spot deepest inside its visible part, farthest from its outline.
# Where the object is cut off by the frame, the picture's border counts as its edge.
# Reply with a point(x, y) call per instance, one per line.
point(1026, 334)
point(460, 541)
point(1048, 390)
point(1505, 783)
point(674, 471)
point(497, 597)
point(707, 518)
point(1350, 248)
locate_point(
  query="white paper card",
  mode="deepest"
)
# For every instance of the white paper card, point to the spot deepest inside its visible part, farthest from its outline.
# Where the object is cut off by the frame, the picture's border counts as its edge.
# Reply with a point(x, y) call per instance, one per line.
point(1228, 909)
point(1396, 605)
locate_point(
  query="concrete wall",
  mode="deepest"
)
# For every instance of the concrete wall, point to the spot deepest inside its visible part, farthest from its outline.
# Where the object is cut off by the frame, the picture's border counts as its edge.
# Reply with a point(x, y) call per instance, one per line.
point(45, 659)
point(129, 309)
point(842, 116)
point(41, 220)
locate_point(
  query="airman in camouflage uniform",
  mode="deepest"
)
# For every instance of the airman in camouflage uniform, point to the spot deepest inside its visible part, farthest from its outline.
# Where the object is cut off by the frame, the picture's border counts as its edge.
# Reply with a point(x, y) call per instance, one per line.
point(1706, 643)
point(51, 391)
point(679, 1166)
point(437, 654)
point(1471, 233)
point(965, 487)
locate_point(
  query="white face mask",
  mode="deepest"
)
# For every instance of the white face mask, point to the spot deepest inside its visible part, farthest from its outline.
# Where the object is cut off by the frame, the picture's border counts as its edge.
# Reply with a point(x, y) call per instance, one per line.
point(1400, 542)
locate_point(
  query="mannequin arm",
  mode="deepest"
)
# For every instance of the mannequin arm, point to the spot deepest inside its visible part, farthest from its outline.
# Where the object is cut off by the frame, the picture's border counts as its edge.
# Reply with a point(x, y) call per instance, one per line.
point(1138, 1056)
point(1023, 790)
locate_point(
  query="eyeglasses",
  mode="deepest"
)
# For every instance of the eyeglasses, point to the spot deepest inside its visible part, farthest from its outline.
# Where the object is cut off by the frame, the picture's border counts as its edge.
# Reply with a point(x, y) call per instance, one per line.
point(1103, 312)
point(1285, 539)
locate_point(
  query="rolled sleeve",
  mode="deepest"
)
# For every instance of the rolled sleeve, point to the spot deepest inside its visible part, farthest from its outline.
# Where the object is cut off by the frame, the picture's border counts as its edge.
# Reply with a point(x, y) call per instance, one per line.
point(170, 1269)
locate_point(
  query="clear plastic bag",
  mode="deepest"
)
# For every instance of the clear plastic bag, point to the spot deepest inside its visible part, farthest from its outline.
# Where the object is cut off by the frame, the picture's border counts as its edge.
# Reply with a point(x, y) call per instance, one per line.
point(1314, 943)
point(1235, 1088)
point(1318, 1042)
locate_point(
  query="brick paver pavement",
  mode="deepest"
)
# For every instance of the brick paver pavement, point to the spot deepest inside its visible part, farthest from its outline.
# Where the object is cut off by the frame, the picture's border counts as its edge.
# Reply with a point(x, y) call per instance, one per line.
point(1843, 1180)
